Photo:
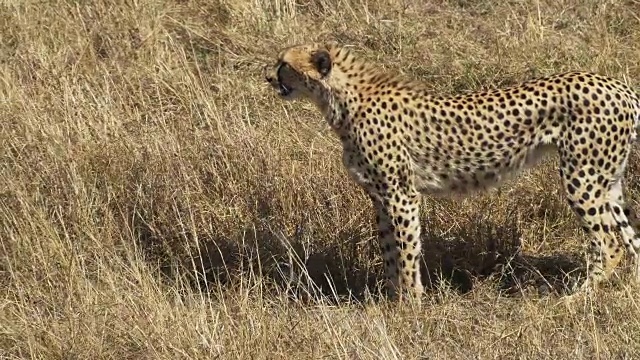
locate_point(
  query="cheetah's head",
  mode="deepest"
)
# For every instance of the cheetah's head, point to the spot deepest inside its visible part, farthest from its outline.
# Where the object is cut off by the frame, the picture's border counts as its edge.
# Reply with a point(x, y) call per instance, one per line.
point(300, 71)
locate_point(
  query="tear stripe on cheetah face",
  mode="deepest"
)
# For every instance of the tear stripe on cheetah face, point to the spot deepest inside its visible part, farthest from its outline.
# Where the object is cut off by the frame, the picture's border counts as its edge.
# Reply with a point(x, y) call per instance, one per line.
point(400, 141)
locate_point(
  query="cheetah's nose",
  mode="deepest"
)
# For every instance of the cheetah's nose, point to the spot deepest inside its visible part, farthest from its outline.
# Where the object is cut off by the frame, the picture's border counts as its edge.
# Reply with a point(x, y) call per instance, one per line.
point(266, 73)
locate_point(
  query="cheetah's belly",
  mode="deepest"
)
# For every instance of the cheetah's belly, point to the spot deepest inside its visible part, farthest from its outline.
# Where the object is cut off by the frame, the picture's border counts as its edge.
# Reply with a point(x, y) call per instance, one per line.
point(454, 182)
point(442, 179)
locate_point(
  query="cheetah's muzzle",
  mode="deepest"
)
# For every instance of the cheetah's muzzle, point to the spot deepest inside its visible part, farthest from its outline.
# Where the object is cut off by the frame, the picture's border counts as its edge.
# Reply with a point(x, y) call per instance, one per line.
point(276, 82)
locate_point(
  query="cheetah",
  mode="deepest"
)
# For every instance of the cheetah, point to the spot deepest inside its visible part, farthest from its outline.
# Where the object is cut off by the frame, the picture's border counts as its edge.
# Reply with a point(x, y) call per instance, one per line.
point(401, 142)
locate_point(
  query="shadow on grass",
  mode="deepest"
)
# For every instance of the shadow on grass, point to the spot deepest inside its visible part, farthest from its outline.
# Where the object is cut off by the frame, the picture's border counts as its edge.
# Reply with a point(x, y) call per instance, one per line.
point(310, 266)
point(485, 250)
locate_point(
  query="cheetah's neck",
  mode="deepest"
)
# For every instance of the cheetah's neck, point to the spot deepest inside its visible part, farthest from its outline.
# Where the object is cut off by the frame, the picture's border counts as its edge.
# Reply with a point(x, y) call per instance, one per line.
point(351, 79)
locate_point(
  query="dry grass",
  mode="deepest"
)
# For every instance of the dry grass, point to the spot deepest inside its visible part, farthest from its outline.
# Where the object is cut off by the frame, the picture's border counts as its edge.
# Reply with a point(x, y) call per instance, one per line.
point(157, 201)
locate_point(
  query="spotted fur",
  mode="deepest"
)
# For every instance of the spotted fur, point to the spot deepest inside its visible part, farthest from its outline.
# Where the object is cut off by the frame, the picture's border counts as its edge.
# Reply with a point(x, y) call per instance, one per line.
point(400, 141)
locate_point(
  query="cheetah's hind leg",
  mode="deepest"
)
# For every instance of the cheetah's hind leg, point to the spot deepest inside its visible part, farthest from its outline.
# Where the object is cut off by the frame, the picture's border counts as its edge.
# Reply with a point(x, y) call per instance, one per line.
point(626, 221)
point(591, 202)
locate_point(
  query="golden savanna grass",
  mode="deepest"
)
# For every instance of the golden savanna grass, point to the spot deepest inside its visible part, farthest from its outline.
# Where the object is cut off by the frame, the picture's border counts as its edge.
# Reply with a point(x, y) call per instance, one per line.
point(158, 201)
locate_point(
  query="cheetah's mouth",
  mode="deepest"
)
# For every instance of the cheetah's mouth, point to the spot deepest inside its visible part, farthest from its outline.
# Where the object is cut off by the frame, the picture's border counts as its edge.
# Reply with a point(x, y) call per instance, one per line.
point(283, 90)
point(274, 78)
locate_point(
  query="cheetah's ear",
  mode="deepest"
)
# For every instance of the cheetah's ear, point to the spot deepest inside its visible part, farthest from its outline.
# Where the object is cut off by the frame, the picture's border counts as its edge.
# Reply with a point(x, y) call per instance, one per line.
point(322, 62)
